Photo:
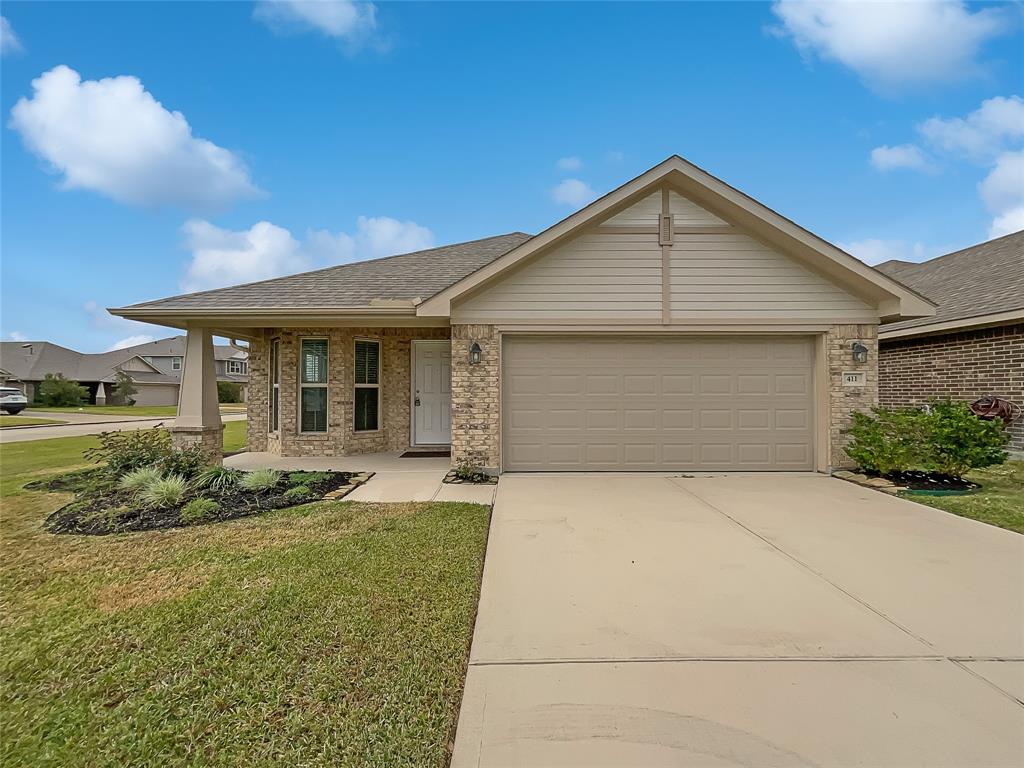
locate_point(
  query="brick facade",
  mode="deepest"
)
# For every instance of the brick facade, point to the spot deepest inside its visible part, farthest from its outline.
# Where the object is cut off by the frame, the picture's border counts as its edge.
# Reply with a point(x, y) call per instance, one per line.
point(960, 366)
point(210, 438)
point(843, 400)
point(340, 439)
point(476, 397)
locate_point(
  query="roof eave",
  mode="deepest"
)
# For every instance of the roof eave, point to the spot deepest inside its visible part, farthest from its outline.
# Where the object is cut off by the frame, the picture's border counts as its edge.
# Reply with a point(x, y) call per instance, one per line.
point(952, 326)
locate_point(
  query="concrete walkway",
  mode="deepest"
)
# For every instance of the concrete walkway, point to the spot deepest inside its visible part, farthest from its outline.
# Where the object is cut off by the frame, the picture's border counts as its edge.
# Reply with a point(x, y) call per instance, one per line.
point(765, 620)
point(395, 479)
point(88, 426)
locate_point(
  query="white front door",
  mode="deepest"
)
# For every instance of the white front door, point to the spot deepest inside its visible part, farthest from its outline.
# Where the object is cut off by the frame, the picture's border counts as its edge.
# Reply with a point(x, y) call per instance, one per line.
point(432, 392)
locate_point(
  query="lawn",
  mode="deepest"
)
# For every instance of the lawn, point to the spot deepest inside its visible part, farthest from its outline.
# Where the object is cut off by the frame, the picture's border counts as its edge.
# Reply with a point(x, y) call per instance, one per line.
point(330, 634)
point(131, 410)
point(24, 421)
point(999, 502)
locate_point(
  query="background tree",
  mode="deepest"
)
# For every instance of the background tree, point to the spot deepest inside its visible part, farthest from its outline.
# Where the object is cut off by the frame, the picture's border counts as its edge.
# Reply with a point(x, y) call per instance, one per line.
point(229, 392)
point(58, 392)
point(124, 388)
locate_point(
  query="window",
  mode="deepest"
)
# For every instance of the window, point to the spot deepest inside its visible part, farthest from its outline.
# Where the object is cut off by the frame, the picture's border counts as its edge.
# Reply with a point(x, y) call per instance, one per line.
point(367, 378)
point(275, 383)
point(175, 363)
point(313, 386)
point(237, 366)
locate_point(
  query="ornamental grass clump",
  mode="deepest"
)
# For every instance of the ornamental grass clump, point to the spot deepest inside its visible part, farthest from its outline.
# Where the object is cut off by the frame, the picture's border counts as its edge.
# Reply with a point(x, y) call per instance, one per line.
point(138, 479)
point(164, 492)
point(259, 480)
point(217, 478)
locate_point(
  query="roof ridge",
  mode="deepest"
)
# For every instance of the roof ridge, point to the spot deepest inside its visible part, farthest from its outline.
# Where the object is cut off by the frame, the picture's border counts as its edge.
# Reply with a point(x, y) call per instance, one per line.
point(327, 269)
point(967, 248)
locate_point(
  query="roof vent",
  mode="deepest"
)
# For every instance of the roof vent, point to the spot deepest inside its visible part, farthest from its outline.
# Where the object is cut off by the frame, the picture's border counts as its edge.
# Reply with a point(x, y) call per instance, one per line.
point(665, 229)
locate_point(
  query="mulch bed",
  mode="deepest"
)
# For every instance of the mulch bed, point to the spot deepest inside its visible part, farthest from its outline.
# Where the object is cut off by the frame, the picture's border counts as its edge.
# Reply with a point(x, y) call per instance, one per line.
point(475, 478)
point(931, 481)
point(101, 508)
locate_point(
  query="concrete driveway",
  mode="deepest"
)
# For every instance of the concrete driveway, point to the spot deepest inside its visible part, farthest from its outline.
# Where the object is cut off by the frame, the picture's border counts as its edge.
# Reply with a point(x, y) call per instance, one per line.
point(741, 620)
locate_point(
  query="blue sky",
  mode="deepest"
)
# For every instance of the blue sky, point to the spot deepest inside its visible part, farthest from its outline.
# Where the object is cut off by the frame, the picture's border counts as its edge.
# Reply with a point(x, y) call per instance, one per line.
point(150, 148)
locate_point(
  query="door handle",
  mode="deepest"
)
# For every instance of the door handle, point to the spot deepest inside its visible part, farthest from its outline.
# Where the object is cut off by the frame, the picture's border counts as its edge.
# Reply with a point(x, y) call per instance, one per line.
point(417, 401)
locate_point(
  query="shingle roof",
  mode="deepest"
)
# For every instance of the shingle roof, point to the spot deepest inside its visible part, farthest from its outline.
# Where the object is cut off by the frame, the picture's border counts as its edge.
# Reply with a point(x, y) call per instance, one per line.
point(980, 280)
point(407, 276)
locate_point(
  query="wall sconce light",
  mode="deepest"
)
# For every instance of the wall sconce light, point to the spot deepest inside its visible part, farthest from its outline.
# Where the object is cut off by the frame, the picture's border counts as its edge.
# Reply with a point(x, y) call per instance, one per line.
point(860, 352)
point(474, 353)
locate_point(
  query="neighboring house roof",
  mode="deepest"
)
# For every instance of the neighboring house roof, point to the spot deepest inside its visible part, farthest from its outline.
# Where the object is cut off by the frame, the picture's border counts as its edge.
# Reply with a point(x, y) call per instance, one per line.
point(422, 284)
point(980, 285)
point(31, 361)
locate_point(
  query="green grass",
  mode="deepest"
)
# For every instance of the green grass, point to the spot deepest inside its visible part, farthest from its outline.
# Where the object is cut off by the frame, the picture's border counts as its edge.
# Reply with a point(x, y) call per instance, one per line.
point(1000, 501)
point(130, 410)
point(24, 421)
point(329, 634)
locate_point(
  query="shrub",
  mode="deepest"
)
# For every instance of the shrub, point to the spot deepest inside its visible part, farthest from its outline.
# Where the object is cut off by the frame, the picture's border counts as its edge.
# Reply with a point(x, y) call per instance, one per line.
point(959, 441)
point(308, 478)
point(58, 392)
point(217, 478)
point(199, 511)
point(229, 392)
point(298, 493)
point(139, 479)
point(164, 492)
point(259, 480)
point(124, 388)
point(888, 441)
point(125, 451)
point(187, 462)
point(469, 472)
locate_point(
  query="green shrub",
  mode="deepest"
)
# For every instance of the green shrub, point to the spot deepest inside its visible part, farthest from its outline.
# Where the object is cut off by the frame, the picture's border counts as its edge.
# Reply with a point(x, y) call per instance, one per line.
point(259, 480)
point(217, 478)
point(308, 478)
point(945, 437)
point(124, 388)
point(959, 441)
point(298, 493)
point(164, 492)
point(187, 462)
point(139, 479)
point(58, 392)
point(888, 441)
point(229, 392)
point(125, 451)
point(199, 511)
point(469, 472)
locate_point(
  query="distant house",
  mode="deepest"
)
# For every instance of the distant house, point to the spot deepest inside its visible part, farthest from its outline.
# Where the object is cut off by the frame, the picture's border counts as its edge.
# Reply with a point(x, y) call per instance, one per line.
point(974, 344)
point(155, 368)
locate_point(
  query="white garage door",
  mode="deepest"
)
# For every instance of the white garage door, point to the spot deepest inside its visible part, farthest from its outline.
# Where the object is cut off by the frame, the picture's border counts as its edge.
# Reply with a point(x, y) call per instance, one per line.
point(716, 403)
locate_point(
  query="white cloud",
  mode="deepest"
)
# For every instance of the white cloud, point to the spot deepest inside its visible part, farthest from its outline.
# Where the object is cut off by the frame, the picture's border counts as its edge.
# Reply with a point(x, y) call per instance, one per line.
point(17, 336)
point(351, 22)
point(222, 257)
point(9, 42)
point(113, 137)
point(875, 251)
point(130, 341)
point(983, 132)
point(886, 158)
point(1003, 192)
point(892, 43)
point(573, 192)
point(572, 163)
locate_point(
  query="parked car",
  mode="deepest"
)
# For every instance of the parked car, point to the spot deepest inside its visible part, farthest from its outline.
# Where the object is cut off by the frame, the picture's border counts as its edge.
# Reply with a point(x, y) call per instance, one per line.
point(12, 401)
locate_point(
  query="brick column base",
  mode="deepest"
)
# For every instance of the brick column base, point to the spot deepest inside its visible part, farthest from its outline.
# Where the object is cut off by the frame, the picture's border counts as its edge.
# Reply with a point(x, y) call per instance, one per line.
point(210, 438)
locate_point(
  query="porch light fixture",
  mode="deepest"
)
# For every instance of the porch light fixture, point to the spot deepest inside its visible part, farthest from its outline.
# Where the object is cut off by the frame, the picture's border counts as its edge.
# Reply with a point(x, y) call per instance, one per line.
point(860, 352)
point(474, 353)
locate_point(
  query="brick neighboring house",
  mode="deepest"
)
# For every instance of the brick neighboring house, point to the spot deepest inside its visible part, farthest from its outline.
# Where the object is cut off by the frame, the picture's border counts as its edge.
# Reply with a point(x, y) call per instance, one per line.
point(155, 368)
point(974, 345)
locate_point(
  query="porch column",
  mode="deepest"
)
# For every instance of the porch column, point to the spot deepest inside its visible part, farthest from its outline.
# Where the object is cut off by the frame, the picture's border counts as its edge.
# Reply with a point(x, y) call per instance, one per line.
point(198, 421)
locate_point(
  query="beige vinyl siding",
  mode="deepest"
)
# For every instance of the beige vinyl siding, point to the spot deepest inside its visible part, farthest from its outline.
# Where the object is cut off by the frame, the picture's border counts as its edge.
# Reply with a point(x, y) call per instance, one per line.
point(156, 394)
point(642, 214)
point(135, 364)
point(597, 275)
point(731, 276)
point(688, 214)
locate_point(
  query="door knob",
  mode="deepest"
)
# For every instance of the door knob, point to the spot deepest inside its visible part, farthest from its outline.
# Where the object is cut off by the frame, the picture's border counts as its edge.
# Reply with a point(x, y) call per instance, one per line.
point(417, 402)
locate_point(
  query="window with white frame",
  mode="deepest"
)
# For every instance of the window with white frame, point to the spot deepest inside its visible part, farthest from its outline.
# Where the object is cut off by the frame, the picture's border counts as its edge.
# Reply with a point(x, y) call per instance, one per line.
point(275, 384)
point(313, 385)
point(175, 363)
point(237, 366)
point(367, 385)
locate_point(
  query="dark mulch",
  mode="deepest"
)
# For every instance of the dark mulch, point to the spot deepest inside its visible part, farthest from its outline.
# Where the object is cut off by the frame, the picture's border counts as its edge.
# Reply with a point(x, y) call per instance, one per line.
point(100, 508)
point(931, 481)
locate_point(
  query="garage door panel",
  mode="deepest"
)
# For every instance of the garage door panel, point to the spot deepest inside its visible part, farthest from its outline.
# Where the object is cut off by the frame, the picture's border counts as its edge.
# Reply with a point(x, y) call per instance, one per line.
point(577, 403)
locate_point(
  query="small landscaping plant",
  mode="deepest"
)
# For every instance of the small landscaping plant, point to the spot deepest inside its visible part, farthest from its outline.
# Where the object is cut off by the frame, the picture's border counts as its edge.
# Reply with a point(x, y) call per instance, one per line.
point(187, 462)
point(217, 478)
point(200, 510)
point(298, 493)
point(929, 448)
point(260, 479)
point(124, 451)
point(138, 479)
point(164, 492)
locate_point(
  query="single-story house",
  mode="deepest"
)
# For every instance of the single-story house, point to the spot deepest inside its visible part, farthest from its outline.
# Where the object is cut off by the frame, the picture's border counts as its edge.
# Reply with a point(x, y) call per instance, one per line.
point(155, 368)
point(673, 324)
point(974, 344)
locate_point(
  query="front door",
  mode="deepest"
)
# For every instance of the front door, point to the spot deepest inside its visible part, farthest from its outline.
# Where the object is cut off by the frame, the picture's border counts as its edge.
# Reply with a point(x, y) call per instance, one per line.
point(432, 392)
